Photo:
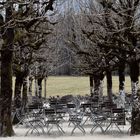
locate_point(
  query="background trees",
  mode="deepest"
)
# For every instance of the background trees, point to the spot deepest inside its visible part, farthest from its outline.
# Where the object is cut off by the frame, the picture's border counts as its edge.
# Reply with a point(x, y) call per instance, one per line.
point(104, 36)
point(96, 36)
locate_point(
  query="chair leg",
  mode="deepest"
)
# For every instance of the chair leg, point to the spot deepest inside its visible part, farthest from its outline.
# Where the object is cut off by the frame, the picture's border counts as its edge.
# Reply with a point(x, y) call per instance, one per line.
point(60, 129)
point(108, 127)
point(81, 128)
point(76, 125)
point(118, 128)
point(40, 125)
point(73, 130)
point(86, 120)
point(49, 129)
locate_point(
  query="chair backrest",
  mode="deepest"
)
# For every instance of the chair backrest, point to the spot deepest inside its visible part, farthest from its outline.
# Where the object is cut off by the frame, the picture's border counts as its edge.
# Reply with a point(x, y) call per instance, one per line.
point(71, 105)
point(118, 110)
point(49, 111)
point(59, 107)
point(119, 114)
point(108, 105)
point(84, 105)
point(33, 107)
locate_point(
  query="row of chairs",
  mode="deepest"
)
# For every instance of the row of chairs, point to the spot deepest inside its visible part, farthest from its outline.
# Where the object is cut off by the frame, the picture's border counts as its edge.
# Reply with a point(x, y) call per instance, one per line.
point(39, 118)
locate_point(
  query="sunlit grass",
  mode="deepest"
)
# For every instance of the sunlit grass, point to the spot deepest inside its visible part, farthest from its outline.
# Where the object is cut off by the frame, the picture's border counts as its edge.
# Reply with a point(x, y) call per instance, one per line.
point(67, 85)
point(79, 85)
point(64, 85)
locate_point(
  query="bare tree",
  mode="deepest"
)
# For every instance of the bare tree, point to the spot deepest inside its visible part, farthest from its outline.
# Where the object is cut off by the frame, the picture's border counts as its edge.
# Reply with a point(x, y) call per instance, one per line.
point(124, 21)
point(14, 17)
point(112, 30)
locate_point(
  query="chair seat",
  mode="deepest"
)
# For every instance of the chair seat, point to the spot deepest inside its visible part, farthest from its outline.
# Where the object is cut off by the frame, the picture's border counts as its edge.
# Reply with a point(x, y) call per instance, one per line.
point(52, 121)
point(75, 119)
point(101, 118)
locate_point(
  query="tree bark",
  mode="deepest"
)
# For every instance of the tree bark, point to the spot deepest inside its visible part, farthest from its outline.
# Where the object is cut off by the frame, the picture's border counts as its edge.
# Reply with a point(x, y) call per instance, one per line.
point(24, 93)
point(36, 87)
point(18, 86)
point(121, 84)
point(101, 90)
point(91, 85)
point(30, 85)
point(45, 90)
point(121, 75)
point(109, 85)
point(96, 85)
point(39, 81)
point(98, 89)
point(135, 122)
point(6, 78)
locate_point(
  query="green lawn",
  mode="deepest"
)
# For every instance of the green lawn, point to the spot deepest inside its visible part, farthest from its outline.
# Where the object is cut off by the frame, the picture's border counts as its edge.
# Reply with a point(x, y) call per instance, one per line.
point(62, 85)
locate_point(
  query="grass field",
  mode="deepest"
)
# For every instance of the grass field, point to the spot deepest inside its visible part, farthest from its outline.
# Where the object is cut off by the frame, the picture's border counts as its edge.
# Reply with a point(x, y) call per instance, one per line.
point(67, 85)
point(78, 85)
point(62, 85)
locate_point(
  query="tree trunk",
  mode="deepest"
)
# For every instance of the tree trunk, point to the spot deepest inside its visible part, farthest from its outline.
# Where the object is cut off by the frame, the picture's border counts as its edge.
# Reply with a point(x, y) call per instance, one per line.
point(36, 88)
point(97, 88)
point(135, 122)
point(30, 80)
point(6, 78)
point(121, 76)
point(96, 85)
point(17, 96)
point(24, 93)
point(30, 85)
point(121, 84)
point(101, 90)
point(45, 90)
point(109, 85)
point(91, 85)
point(39, 81)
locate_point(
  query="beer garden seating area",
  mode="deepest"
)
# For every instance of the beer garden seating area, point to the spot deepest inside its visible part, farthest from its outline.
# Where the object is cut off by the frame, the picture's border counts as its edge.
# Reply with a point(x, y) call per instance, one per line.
point(78, 114)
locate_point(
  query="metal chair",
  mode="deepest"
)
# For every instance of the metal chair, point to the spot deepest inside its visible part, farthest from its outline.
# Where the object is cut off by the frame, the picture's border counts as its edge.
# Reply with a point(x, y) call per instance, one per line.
point(76, 119)
point(52, 118)
point(98, 118)
point(35, 123)
point(116, 119)
point(35, 119)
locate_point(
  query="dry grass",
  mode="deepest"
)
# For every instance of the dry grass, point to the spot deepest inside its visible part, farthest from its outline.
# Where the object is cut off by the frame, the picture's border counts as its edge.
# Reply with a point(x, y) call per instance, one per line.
point(78, 85)
point(67, 85)
point(62, 85)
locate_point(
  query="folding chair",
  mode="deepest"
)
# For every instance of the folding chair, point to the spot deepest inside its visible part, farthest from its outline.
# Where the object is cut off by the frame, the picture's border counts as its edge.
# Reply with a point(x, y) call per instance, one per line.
point(35, 119)
point(86, 108)
point(76, 119)
point(21, 117)
point(117, 119)
point(98, 118)
point(35, 123)
point(52, 119)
